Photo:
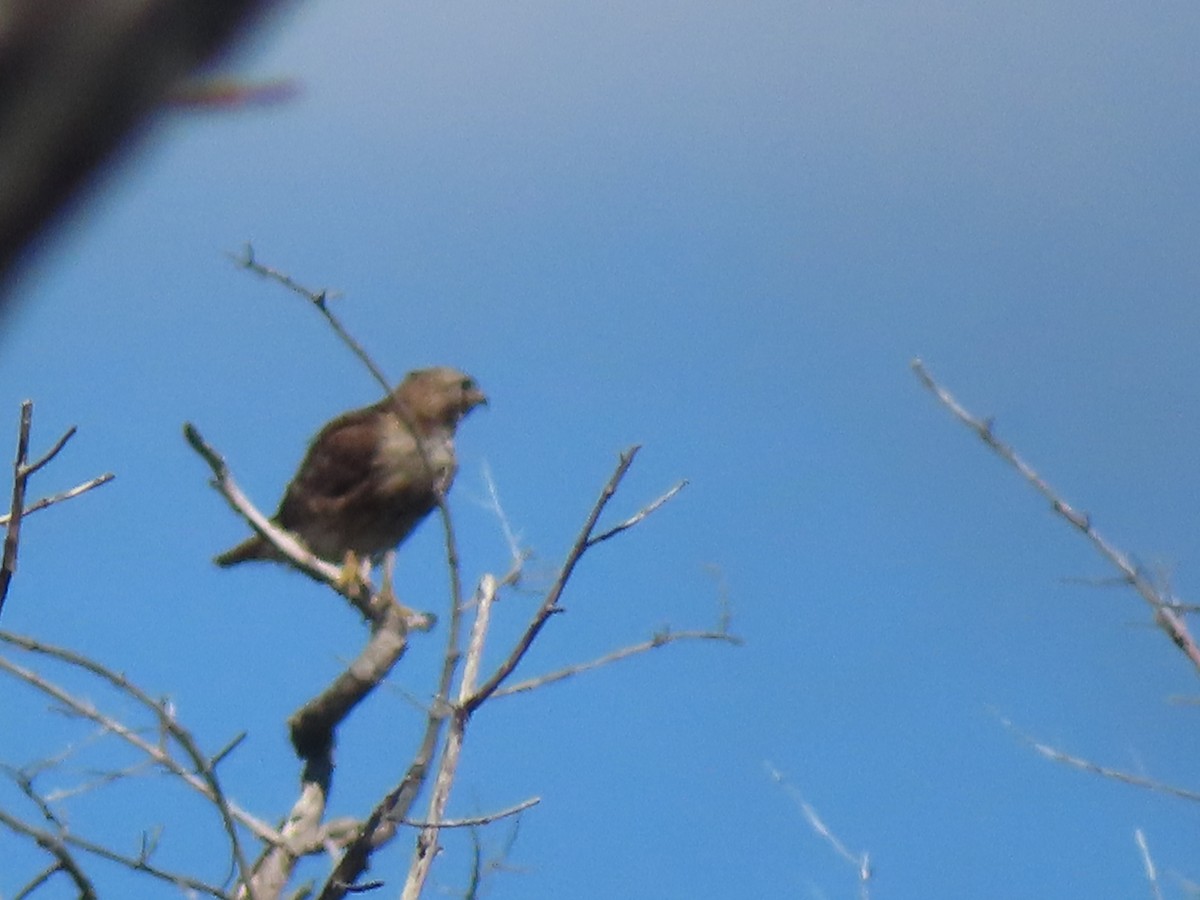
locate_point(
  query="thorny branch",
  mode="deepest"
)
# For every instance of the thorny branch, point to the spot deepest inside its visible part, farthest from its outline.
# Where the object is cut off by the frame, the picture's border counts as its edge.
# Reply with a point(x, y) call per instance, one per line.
point(320, 300)
point(1167, 613)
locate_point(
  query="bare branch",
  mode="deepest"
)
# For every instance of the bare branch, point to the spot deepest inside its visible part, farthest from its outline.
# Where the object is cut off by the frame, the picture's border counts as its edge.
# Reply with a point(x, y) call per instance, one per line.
point(660, 639)
point(139, 863)
point(22, 470)
point(205, 769)
point(320, 300)
point(283, 541)
point(204, 783)
point(510, 537)
point(64, 861)
point(85, 888)
point(1166, 613)
point(481, 867)
point(638, 516)
point(470, 698)
point(549, 605)
point(100, 780)
point(476, 821)
point(426, 849)
point(70, 494)
point(380, 826)
point(1057, 755)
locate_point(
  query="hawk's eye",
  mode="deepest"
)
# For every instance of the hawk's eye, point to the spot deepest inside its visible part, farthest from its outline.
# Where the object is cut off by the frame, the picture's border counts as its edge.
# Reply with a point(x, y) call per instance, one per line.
point(468, 384)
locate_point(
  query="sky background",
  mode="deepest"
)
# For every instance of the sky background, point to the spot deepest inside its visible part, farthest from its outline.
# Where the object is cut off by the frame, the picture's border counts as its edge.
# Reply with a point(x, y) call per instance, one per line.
point(722, 231)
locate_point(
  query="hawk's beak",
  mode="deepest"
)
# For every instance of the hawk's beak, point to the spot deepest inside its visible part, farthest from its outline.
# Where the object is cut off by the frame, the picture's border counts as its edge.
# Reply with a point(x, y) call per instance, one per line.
point(474, 398)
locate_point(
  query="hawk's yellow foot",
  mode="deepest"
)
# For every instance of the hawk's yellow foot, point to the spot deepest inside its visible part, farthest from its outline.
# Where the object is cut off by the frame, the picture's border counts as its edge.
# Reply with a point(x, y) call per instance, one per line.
point(354, 574)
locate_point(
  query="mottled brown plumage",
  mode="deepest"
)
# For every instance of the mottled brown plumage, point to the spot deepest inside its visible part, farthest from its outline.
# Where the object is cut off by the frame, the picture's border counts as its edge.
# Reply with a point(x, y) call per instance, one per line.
point(371, 475)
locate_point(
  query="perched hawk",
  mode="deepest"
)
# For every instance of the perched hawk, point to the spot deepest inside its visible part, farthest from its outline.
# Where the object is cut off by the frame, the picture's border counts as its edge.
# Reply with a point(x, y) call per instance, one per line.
point(371, 475)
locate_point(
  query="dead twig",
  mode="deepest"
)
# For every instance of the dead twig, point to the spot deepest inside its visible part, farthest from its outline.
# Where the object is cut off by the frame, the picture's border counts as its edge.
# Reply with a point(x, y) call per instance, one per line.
point(320, 301)
point(860, 861)
point(8, 563)
point(426, 849)
point(1056, 755)
point(660, 639)
point(63, 860)
point(203, 780)
point(549, 605)
point(637, 516)
point(476, 821)
point(471, 697)
point(22, 470)
point(139, 863)
point(70, 494)
point(1167, 614)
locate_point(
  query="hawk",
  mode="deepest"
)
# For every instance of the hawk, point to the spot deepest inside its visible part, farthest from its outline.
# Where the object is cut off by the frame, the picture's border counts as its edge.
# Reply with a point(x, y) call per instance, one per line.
point(371, 475)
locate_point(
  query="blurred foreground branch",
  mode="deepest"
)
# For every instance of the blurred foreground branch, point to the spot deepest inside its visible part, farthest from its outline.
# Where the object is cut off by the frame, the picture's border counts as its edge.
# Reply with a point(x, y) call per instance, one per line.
point(77, 80)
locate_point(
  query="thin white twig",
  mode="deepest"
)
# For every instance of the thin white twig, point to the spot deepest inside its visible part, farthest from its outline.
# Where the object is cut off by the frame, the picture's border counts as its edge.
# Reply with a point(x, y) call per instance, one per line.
point(475, 821)
point(860, 861)
point(661, 639)
point(637, 516)
point(494, 505)
point(69, 494)
point(1148, 861)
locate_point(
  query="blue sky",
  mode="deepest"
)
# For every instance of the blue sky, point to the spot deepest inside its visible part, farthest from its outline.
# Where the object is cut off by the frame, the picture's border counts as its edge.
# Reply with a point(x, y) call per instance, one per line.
point(720, 230)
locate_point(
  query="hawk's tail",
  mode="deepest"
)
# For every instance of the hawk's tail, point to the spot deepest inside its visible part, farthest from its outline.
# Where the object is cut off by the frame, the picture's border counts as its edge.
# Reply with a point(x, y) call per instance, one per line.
point(250, 549)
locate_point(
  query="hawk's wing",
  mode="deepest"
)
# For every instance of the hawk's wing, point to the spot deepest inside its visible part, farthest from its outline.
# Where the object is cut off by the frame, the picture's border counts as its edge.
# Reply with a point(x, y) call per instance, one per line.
point(337, 469)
